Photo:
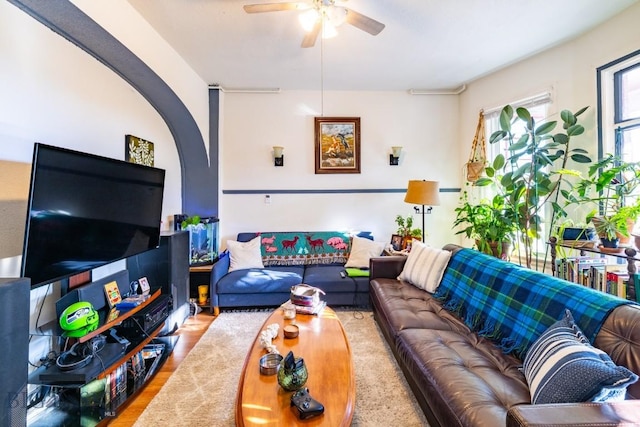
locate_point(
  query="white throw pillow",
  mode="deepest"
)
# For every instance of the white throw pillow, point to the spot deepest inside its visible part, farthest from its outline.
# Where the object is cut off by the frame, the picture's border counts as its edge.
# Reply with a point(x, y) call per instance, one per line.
point(362, 249)
point(425, 266)
point(244, 255)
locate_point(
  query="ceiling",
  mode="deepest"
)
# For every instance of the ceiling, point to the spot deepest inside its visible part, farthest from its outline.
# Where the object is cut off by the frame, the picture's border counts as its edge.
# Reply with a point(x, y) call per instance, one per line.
point(426, 44)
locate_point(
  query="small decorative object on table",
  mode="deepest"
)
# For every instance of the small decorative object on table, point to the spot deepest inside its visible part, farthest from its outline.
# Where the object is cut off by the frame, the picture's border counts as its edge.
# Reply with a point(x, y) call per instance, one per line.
point(291, 331)
point(267, 336)
point(292, 374)
point(289, 311)
point(305, 405)
point(269, 363)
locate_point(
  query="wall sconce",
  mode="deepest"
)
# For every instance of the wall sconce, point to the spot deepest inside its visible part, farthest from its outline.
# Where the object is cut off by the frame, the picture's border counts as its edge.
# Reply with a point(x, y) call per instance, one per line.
point(278, 157)
point(394, 157)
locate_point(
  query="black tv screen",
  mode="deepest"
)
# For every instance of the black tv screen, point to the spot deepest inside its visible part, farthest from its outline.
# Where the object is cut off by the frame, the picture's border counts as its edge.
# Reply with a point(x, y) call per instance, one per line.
point(85, 211)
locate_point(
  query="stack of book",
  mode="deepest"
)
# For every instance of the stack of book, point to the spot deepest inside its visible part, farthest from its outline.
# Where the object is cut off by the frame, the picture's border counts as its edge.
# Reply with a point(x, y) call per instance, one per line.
point(316, 308)
point(306, 299)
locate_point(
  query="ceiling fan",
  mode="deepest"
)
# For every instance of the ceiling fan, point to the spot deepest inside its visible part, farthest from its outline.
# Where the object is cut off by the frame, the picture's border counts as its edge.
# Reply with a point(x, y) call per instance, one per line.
point(321, 15)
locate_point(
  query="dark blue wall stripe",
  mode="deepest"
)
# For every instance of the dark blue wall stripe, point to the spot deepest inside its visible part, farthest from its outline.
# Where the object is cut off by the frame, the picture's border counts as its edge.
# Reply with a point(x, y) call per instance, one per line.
point(333, 191)
point(198, 178)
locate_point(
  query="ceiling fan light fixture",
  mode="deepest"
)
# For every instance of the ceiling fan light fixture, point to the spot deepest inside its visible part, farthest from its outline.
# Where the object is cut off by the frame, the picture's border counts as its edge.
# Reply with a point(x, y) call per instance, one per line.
point(308, 19)
point(328, 30)
point(336, 15)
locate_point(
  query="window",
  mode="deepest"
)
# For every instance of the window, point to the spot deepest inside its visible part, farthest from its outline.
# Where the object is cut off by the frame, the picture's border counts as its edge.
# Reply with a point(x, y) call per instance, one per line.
point(538, 107)
point(619, 124)
point(619, 103)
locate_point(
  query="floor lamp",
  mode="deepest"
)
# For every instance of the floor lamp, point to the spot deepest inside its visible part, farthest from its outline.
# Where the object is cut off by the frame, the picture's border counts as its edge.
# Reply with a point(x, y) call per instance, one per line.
point(423, 193)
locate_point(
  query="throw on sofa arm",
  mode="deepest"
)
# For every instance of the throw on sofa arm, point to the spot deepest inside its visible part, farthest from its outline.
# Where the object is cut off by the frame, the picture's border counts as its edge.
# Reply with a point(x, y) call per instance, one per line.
point(386, 267)
point(575, 414)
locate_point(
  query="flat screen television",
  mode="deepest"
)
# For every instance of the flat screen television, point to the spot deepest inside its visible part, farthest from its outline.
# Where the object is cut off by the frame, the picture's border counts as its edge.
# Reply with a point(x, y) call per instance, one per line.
point(85, 211)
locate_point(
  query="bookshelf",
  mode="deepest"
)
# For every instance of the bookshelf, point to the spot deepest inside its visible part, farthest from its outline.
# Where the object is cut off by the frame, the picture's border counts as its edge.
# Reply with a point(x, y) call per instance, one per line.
point(575, 269)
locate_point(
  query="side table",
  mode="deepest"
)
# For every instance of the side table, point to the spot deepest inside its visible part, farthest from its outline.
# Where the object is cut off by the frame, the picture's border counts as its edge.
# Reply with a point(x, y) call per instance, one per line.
point(200, 275)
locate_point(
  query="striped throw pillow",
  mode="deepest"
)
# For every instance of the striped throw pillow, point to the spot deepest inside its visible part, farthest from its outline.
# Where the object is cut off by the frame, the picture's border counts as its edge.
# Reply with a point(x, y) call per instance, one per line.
point(425, 266)
point(561, 366)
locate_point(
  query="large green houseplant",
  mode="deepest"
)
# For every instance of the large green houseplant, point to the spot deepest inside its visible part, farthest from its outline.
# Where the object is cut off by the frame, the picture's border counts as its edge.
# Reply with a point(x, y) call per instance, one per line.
point(490, 223)
point(535, 169)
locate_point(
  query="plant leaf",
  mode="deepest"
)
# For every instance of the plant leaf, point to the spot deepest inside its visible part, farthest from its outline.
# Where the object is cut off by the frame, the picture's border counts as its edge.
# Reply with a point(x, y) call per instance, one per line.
point(483, 182)
point(546, 127)
point(561, 138)
point(575, 130)
point(505, 118)
point(580, 158)
point(568, 118)
point(497, 136)
point(525, 116)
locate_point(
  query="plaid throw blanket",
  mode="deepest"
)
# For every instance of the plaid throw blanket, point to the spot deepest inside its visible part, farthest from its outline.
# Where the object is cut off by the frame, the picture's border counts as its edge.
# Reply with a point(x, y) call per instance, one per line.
point(512, 305)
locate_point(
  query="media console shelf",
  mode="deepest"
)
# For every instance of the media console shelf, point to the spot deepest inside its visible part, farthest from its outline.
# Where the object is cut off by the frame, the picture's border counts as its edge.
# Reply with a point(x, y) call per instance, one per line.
point(88, 395)
point(630, 254)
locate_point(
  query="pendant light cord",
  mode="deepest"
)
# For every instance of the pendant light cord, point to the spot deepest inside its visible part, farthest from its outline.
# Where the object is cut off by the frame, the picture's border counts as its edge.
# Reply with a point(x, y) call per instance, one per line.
point(322, 68)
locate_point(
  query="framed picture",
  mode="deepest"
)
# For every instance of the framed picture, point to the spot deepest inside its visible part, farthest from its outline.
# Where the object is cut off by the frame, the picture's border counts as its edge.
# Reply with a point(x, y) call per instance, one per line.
point(337, 144)
point(138, 150)
point(144, 286)
point(396, 242)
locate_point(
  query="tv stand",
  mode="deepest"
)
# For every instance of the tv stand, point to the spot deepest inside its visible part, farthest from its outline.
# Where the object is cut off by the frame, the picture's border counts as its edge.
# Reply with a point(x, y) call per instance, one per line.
point(114, 374)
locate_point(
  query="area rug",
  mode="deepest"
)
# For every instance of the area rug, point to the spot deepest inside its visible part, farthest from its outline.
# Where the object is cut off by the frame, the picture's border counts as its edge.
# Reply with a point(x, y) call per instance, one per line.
point(202, 390)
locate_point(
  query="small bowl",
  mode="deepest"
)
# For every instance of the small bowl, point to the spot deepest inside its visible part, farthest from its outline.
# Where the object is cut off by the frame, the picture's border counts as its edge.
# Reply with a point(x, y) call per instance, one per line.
point(291, 331)
point(269, 363)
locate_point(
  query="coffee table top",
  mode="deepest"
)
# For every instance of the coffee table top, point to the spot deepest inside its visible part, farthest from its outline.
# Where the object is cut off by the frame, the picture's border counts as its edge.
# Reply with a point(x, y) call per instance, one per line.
point(323, 345)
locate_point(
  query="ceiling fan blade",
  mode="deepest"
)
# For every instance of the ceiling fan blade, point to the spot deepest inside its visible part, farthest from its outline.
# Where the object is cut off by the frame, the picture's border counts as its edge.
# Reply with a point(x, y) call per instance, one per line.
point(275, 7)
point(363, 22)
point(311, 37)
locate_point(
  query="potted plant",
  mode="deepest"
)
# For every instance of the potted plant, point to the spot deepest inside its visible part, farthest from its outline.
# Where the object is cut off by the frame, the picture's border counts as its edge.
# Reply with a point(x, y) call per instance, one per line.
point(609, 185)
point(607, 230)
point(533, 172)
point(406, 230)
point(490, 223)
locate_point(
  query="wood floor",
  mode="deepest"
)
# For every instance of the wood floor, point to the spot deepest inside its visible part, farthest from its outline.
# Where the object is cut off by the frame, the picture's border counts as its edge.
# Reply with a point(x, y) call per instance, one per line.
point(190, 332)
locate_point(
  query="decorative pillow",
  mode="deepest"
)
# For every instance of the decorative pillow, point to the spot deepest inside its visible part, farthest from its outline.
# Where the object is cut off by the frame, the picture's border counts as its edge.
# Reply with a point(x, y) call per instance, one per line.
point(362, 249)
point(425, 266)
point(244, 254)
point(561, 366)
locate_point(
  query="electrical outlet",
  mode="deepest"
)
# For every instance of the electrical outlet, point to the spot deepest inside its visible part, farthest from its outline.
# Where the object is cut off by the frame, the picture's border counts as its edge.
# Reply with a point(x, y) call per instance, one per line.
point(267, 199)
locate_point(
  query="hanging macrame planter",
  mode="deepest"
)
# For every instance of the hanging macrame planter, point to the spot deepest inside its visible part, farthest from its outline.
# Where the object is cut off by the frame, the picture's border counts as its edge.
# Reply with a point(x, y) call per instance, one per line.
point(478, 157)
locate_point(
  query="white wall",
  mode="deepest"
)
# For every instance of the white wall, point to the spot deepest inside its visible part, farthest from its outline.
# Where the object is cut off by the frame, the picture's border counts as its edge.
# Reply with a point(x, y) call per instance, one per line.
point(55, 93)
point(568, 71)
point(426, 126)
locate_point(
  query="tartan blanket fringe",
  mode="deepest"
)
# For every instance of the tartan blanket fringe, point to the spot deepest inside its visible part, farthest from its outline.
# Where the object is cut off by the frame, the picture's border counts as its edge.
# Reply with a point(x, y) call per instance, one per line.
point(484, 327)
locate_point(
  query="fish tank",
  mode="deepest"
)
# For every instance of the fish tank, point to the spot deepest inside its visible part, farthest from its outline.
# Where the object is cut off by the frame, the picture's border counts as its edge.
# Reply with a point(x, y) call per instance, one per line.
point(203, 237)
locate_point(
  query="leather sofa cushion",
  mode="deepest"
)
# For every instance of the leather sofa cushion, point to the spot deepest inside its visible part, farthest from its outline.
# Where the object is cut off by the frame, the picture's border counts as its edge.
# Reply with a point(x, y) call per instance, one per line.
point(403, 306)
point(260, 280)
point(465, 379)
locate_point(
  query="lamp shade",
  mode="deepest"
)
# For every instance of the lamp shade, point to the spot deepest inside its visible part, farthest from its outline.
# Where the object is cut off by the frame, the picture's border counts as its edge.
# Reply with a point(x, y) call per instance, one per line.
point(423, 193)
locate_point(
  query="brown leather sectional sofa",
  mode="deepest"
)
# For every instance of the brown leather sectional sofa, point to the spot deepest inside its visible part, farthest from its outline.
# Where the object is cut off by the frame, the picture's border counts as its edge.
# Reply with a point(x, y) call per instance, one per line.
point(461, 379)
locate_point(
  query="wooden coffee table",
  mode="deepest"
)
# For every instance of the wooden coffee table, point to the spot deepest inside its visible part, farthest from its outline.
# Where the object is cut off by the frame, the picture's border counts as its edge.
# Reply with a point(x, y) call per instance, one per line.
point(323, 345)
